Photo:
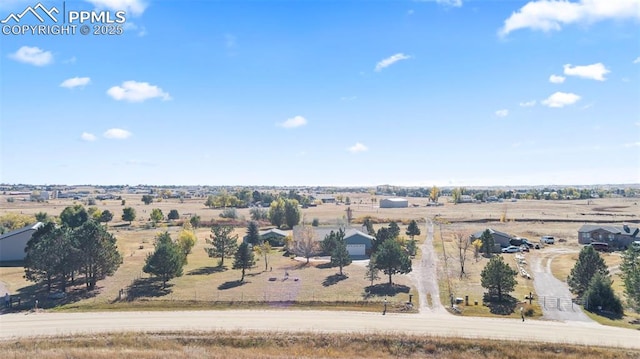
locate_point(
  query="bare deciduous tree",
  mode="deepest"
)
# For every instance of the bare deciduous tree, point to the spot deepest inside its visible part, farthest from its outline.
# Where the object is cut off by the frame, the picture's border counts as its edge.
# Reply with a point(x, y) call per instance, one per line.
point(305, 245)
point(461, 239)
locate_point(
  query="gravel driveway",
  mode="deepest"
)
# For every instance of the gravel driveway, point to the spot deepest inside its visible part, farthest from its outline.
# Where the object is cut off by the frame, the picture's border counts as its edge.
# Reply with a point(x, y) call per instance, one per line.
point(424, 276)
point(549, 287)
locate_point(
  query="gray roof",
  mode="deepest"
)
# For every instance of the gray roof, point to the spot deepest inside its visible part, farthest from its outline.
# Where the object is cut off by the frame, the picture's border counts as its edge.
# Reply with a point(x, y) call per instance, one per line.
point(319, 233)
point(479, 234)
point(31, 227)
point(273, 230)
point(625, 229)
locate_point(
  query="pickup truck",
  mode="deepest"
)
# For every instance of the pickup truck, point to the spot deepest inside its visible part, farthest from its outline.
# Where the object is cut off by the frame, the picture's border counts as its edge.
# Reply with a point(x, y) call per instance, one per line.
point(547, 240)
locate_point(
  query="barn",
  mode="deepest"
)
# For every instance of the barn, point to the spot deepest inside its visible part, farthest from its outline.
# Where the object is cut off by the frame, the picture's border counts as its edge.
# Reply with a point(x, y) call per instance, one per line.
point(13, 244)
point(394, 203)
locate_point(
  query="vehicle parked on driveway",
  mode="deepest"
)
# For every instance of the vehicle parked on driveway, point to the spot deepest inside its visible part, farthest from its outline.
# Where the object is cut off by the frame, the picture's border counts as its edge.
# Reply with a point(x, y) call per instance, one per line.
point(511, 249)
point(548, 240)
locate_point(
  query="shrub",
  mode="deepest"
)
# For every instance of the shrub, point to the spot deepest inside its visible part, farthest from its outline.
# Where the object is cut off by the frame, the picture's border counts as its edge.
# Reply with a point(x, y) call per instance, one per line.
point(229, 213)
point(11, 199)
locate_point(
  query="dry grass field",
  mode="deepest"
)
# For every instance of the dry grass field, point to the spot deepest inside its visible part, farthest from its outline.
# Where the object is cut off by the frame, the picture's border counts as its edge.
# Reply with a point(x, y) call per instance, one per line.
point(289, 345)
point(204, 281)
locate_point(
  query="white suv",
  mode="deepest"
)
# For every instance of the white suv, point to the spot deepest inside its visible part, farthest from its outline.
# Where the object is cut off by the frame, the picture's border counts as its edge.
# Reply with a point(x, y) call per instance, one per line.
point(547, 240)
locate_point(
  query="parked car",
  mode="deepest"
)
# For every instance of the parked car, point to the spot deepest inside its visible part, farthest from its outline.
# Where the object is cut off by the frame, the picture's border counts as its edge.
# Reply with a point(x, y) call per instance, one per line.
point(548, 240)
point(511, 249)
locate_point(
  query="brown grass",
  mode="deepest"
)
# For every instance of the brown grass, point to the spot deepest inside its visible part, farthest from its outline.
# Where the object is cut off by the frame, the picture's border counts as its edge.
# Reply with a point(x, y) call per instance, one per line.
point(236, 344)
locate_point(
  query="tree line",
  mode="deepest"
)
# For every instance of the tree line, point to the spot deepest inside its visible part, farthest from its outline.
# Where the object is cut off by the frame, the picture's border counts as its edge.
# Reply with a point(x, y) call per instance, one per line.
point(80, 247)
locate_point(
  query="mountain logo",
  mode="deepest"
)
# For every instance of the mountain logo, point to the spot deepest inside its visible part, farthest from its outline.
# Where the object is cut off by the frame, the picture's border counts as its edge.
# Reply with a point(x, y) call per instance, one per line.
point(34, 11)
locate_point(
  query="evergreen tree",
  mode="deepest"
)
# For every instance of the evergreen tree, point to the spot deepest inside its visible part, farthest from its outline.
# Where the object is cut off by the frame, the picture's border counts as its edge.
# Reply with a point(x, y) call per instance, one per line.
point(600, 296)
point(223, 243)
point(173, 214)
point(74, 216)
point(243, 259)
point(391, 259)
point(368, 224)
point(589, 262)
point(487, 242)
point(498, 277)
point(128, 214)
point(413, 229)
point(630, 268)
point(340, 256)
point(166, 261)
point(253, 234)
point(394, 230)
point(97, 251)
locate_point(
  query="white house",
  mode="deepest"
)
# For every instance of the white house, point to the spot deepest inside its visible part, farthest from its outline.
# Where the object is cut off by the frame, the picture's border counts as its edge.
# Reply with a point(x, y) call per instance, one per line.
point(13, 244)
point(394, 203)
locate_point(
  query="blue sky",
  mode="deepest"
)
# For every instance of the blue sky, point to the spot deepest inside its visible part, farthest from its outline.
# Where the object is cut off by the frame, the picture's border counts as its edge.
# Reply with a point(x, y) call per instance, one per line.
point(445, 93)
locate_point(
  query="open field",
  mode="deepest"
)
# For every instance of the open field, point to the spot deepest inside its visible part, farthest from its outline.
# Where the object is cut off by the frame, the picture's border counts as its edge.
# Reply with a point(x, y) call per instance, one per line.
point(204, 281)
point(243, 344)
point(532, 212)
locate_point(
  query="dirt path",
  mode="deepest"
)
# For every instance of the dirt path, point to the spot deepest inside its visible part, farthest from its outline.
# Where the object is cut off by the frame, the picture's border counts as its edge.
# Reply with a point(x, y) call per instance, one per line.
point(425, 277)
point(553, 294)
point(18, 325)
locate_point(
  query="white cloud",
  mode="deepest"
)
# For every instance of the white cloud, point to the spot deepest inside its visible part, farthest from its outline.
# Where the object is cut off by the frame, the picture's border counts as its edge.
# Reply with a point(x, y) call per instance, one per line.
point(637, 60)
point(561, 99)
point(32, 55)
point(593, 72)
point(133, 7)
point(391, 60)
point(117, 134)
point(293, 122)
point(633, 144)
point(453, 3)
point(75, 82)
point(556, 79)
point(548, 15)
point(86, 136)
point(133, 91)
point(502, 113)
point(71, 60)
point(130, 26)
point(411, 12)
point(358, 147)
point(528, 103)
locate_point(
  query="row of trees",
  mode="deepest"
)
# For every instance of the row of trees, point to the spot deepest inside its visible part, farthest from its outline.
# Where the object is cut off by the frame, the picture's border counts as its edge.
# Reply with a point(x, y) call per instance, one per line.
point(58, 254)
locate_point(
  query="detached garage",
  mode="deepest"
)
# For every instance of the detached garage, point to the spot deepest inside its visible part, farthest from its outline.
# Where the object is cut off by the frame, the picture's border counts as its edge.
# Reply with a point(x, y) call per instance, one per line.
point(359, 244)
point(394, 203)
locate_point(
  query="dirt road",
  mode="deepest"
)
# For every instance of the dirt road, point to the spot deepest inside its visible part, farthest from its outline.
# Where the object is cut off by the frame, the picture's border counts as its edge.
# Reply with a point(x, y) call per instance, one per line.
point(425, 277)
point(38, 324)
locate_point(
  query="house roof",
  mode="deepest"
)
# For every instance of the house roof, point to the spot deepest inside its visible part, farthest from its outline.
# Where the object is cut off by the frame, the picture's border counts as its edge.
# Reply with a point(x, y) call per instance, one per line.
point(274, 231)
point(395, 199)
point(319, 233)
point(625, 229)
point(31, 227)
point(492, 231)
